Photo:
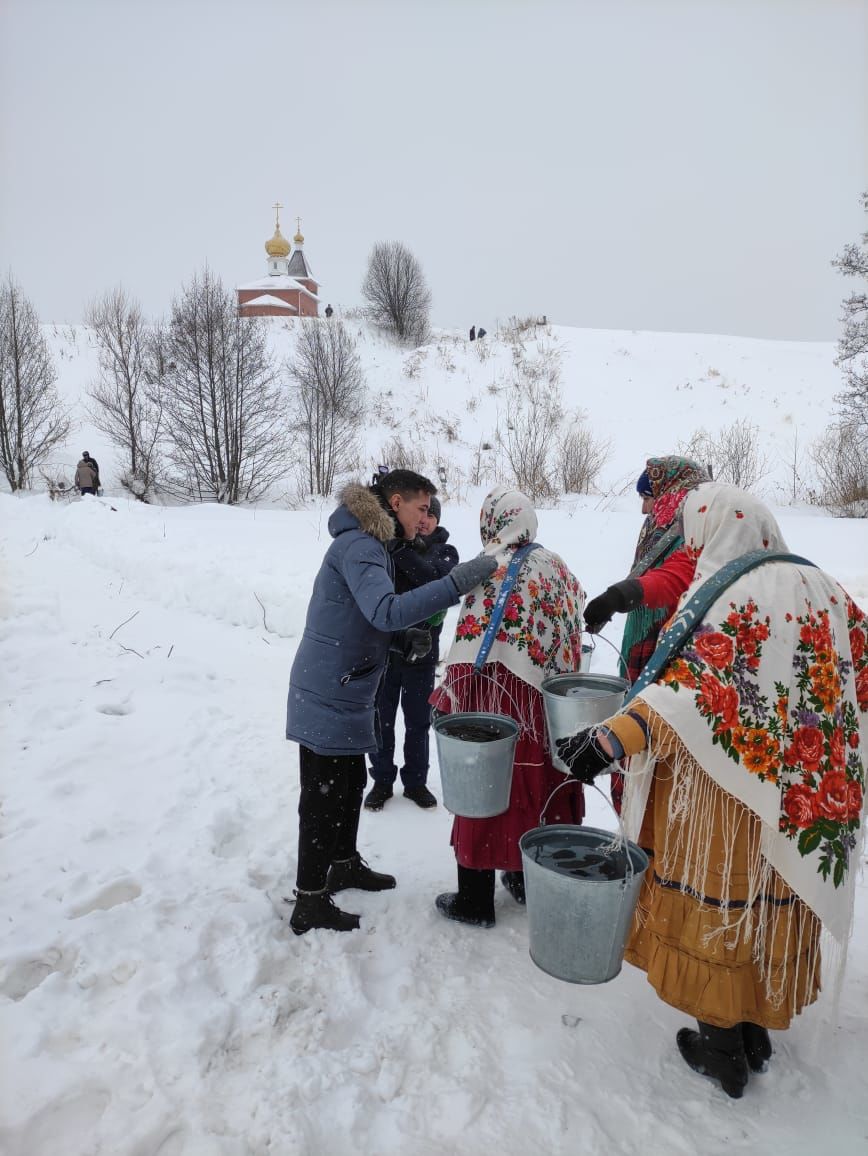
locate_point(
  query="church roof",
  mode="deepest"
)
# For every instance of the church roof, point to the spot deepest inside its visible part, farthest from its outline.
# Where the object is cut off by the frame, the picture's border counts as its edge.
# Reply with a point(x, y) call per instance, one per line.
point(298, 266)
point(281, 281)
point(270, 299)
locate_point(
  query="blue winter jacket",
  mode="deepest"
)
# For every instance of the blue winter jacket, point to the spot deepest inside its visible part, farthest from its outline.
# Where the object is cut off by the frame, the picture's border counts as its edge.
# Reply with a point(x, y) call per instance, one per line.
point(352, 615)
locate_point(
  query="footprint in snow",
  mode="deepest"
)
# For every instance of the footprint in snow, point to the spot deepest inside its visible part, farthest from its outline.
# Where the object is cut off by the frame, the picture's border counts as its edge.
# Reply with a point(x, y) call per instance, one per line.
point(120, 891)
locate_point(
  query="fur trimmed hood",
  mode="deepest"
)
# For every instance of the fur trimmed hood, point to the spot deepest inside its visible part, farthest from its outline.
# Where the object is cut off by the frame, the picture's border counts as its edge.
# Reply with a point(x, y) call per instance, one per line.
point(364, 506)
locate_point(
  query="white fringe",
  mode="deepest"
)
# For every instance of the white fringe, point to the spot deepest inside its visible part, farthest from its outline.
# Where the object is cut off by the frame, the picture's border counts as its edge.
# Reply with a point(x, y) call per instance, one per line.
point(686, 858)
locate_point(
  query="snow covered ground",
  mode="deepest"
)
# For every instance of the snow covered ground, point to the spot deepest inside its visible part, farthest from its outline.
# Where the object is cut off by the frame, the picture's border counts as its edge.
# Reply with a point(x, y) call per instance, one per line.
point(151, 1001)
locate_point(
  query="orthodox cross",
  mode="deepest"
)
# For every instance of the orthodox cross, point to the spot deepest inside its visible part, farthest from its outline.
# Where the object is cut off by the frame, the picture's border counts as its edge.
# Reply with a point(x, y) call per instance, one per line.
point(277, 206)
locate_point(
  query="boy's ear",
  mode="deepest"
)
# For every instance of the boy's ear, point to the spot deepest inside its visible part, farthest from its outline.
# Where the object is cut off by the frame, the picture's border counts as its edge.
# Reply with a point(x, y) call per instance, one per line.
point(395, 501)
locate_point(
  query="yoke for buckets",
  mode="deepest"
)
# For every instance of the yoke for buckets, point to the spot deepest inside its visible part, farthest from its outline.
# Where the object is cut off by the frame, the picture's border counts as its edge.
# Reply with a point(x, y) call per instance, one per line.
point(476, 753)
point(575, 701)
point(582, 886)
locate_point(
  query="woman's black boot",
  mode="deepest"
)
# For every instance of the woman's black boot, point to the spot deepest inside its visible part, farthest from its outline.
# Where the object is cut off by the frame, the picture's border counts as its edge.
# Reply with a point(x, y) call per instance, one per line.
point(718, 1053)
point(474, 902)
point(757, 1046)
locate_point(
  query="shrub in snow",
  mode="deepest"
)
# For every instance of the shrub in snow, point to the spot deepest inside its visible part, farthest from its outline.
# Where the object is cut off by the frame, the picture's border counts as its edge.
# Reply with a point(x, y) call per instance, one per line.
point(732, 455)
point(841, 461)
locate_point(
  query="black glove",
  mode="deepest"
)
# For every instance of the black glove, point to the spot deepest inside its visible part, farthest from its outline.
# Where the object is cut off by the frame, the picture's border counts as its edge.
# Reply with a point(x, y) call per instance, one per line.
point(417, 643)
point(583, 755)
point(467, 575)
point(618, 599)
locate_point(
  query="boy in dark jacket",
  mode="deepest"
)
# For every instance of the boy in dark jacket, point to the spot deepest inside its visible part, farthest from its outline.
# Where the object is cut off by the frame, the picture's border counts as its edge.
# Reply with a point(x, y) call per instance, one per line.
point(353, 618)
point(411, 683)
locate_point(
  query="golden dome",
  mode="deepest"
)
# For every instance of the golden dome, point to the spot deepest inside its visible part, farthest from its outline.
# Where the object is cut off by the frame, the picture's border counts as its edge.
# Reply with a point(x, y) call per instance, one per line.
point(277, 246)
point(298, 238)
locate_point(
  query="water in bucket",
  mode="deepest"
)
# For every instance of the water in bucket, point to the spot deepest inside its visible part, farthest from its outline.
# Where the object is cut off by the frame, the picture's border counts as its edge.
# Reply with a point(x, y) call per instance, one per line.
point(582, 886)
point(476, 752)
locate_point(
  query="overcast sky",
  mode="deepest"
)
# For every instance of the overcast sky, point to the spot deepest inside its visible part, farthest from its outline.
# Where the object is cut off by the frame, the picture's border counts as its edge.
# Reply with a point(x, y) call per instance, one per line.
point(681, 165)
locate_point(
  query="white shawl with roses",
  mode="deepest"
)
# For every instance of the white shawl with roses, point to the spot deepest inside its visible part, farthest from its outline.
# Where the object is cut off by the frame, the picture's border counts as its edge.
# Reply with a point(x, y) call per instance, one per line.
point(541, 630)
point(769, 698)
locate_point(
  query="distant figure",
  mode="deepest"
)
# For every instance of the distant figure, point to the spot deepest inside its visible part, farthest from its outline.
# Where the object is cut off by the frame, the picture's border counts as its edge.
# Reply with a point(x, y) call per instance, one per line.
point(85, 477)
point(472, 332)
point(94, 465)
point(481, 333)
point(328, 311)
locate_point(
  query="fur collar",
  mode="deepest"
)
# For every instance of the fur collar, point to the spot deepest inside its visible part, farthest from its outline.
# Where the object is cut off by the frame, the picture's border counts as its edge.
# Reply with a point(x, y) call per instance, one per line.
point(366, 509)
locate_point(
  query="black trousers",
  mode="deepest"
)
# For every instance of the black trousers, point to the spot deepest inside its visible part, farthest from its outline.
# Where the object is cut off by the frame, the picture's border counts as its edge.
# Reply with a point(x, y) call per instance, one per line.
point(329, 807)
point(411, 685)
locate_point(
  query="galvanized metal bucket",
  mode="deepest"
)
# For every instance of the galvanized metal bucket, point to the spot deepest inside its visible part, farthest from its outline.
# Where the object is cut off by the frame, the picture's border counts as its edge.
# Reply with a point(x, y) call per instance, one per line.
point(476, 776)
point(575, 701)
point(581, 895)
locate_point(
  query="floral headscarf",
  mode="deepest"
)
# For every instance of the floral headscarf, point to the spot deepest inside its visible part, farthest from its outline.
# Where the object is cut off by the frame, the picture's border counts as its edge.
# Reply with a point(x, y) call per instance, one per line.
point(671, 479)
point(770, 698)
point(541, 630)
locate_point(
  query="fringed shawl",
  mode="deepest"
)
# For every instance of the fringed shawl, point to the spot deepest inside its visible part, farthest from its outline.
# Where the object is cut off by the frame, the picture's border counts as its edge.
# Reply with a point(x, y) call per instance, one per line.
point(671, 480)
point(541, 630)
point(768, 699)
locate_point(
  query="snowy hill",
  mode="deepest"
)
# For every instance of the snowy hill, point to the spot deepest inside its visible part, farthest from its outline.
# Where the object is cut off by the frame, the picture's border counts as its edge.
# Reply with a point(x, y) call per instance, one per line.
point(152, 1003)
point(644, 393)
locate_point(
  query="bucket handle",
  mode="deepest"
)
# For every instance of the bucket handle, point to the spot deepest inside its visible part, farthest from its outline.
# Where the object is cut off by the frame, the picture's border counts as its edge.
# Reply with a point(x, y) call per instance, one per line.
point(616, 843)
point(521, 720)
point(621, 658)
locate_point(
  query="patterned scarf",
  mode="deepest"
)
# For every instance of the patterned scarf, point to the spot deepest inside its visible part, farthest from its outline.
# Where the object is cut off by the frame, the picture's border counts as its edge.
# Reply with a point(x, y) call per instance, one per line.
point(769, 699)
point(671, 479)
point(541, 630)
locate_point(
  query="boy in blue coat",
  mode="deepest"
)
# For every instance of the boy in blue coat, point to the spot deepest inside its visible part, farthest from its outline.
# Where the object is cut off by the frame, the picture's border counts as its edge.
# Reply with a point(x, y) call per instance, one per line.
point(411, 683)
point(354, 617)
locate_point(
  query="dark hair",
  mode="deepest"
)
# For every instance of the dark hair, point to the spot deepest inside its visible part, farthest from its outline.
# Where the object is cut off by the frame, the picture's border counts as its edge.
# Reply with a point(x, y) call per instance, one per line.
point(406, 483)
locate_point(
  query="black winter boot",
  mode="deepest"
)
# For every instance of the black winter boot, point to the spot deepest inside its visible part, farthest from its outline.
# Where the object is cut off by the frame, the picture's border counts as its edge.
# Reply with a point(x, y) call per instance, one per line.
point(354, 872)
point(716, 1052)
point(757, 1046)
point(513, 881)
point(378, 796)
point(474, 901)
point(316, 909)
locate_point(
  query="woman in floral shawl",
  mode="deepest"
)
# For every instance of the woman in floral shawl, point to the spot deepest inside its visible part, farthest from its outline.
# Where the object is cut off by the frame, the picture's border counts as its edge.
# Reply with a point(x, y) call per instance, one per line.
point(539, 635)
point(749, 796)
point(663, 486)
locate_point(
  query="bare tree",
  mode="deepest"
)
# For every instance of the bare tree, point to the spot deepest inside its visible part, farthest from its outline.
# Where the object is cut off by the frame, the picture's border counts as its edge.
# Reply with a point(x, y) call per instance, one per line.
point(582, 457)
point(32, 421)
point(127, 402)
point(853, 343)
point(396, 291)
point(329, 400)
point(225, 418)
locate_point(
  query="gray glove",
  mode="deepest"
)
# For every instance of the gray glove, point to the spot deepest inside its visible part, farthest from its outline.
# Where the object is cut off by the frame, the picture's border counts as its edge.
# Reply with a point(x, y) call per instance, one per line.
point(468, 575)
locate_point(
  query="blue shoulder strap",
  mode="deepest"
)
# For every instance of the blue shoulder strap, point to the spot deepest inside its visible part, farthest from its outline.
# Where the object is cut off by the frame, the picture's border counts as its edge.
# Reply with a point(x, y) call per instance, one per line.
point(690, 615)
point(497, 610)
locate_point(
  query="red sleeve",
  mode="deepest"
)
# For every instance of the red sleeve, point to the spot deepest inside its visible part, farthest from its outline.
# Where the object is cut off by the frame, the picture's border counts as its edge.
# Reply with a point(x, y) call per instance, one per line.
point(661, 588)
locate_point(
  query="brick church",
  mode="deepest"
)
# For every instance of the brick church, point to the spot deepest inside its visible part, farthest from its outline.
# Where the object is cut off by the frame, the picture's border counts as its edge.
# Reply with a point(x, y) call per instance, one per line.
point(289, 289)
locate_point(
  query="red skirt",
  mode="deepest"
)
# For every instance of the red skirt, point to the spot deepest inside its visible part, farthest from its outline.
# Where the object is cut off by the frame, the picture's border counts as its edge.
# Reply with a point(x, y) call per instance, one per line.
point(493, 843)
